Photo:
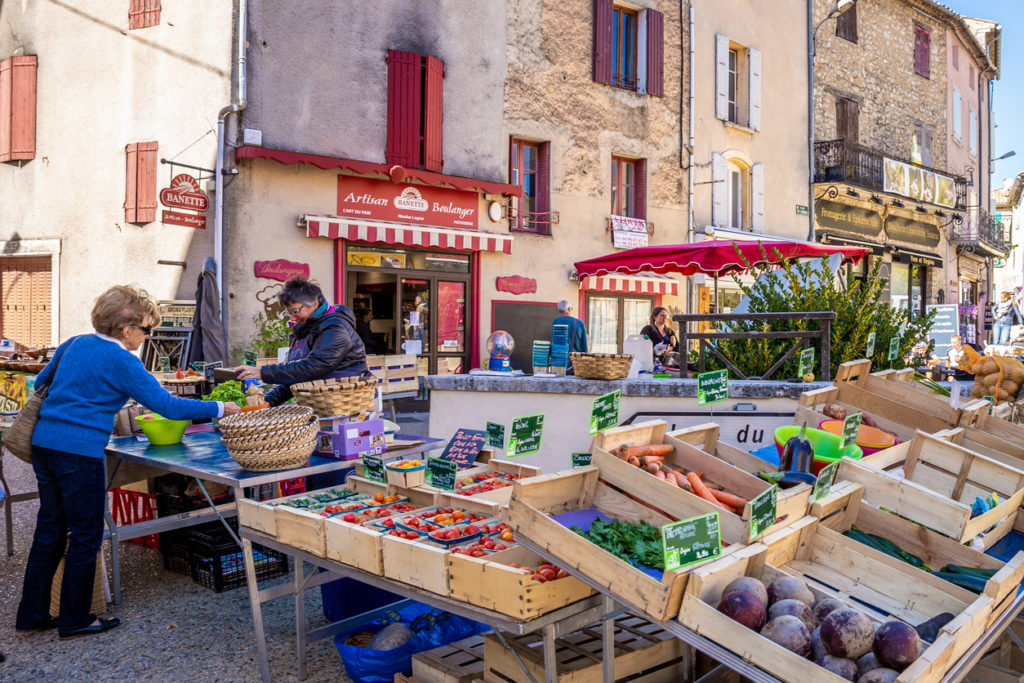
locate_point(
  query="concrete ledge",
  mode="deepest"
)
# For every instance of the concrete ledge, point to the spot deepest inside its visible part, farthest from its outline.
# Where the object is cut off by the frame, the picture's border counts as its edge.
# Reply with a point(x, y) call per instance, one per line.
point(629, 387)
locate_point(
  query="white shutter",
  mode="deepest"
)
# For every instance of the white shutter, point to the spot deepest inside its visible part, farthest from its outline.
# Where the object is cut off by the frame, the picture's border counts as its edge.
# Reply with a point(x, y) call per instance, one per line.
point(958, 124)
point(754, 73)
point(719, 190)
point(757, 197)
point(721, 77)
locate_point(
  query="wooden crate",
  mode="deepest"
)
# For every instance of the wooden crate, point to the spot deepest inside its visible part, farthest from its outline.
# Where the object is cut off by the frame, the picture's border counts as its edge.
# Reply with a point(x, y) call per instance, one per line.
point(405, 480)
point(416, 496)
point(644, 653)
point(419, 563)
point(301, 529)
point(260, 515)
point(490, 582)
point(837, 567)
point(536, 500)
point(940, 482)
point(357, 545)
point(459, 662)
point(499, 496)
point(987, 441)
point(842, 509)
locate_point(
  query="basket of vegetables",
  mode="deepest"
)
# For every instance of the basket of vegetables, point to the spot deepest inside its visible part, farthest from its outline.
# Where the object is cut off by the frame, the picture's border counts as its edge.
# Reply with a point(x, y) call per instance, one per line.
point(601, 365)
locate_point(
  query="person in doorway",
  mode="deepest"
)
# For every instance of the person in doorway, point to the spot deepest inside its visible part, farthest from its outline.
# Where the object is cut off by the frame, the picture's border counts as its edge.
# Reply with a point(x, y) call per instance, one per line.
point(370, 342)
point(577, 330)
point(91, 377)
point(1005, 315)
point(658, 331)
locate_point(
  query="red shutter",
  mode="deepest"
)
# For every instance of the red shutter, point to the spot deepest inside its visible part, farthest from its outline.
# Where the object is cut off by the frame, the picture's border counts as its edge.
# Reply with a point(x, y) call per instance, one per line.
point(655, 53)
point(131, 174)
point(18, 108)
point(640, 188)
point(922, 51)
point(143, 13)
point(404, 108)
point(145, 203)
point(603, 10)
point(544, 182)
point(433, 115)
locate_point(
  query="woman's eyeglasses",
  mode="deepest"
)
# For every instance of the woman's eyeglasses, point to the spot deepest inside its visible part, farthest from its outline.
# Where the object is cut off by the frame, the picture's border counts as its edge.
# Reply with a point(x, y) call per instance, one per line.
point(145, 328)
point(292, 312)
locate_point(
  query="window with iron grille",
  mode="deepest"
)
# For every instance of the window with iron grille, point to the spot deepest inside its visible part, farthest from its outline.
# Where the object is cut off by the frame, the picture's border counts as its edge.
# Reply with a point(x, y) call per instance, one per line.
point(528, 168)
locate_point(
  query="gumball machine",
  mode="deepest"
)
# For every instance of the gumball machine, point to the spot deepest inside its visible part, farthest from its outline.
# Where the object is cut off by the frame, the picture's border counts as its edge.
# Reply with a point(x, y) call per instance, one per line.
point(499, 346)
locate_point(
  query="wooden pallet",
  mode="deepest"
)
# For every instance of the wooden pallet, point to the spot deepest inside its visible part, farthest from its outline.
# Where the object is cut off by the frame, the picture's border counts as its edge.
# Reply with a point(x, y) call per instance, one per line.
point(459, 662)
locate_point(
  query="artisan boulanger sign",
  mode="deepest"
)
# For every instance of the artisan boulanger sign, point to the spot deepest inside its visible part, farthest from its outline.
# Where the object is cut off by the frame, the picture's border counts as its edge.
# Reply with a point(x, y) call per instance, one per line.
point(417, 204)
point(848, 218)
point(913, 232)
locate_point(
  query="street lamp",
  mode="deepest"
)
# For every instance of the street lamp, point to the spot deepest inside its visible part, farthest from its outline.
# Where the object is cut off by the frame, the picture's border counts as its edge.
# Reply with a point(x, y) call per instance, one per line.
point(841, 6)
point(1009, 154)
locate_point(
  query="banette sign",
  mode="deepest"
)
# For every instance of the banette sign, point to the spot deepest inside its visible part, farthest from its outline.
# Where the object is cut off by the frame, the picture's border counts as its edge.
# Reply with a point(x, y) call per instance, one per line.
point(416, 204)
point(184, 193)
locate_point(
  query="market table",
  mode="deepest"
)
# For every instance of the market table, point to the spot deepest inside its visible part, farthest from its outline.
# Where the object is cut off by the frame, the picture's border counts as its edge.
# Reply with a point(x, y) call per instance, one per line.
point(204, 457)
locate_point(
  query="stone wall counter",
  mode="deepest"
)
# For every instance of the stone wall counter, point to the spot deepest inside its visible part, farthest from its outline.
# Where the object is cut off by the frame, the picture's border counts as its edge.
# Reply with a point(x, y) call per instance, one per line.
point(628, 387)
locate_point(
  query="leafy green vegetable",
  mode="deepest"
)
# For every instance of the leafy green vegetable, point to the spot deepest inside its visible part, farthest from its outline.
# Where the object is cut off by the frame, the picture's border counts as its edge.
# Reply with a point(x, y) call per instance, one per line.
point(229, 392)
point(634, 543)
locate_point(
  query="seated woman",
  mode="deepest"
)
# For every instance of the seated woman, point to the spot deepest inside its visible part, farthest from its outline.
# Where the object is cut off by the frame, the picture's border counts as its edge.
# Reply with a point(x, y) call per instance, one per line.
point(661, 335)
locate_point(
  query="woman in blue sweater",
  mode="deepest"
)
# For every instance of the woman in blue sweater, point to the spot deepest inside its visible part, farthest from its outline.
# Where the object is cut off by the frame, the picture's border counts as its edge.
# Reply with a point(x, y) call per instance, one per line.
point(96, 375)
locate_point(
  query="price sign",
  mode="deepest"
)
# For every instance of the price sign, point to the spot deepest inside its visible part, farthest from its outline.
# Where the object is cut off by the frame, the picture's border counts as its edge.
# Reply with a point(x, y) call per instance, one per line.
point(464, 447)
point(373, 467)
point(164, 363)
point(198, 365)
point(824, 483)
point(991, 402)
point(763, 512)
point(894, 348)
point(442, 473)
point(495, 435)
point(851, 425)
point(605, 412)
point(210, 367)
point(712, 387)
point(249, 357)
point(871, 345)
point(525, 436)
point(580, 459)
point(691, 540)
point(806, 362)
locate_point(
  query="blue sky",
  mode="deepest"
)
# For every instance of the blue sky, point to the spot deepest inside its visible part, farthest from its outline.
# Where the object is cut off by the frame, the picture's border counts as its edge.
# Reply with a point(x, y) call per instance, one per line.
point(1009, 89)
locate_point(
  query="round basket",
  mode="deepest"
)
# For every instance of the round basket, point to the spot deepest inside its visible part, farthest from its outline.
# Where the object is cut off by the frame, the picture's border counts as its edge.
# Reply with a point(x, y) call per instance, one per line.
point(263, 422)
point(280, 438)
point(289, 458)
point(274, 439)
point(601, 365)
point(332, 397)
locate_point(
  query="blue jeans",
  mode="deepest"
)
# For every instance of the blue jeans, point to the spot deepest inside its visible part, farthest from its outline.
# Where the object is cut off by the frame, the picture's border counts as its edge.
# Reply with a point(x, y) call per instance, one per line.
point(1000, 333)
point(72, 498)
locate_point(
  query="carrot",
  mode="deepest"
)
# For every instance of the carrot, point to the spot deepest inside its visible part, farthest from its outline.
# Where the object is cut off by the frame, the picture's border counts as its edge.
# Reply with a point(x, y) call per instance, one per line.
point(660, 475)
point(670, 477)
point(634, 461)
point(650, 449)
point(681, 480)
point(654, 467)
point(730, 499)
point(648, 459)
point(699, 488)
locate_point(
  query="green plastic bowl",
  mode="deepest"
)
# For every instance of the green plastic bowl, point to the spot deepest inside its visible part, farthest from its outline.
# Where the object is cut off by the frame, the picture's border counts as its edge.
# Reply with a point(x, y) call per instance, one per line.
point(825, 445)
point(160, 431)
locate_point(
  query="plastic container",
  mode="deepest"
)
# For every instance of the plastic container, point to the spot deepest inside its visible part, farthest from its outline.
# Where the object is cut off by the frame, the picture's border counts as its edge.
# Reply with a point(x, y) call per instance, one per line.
point(870, 439)
point(160, 431)
point(642, 350)
point(826, 446)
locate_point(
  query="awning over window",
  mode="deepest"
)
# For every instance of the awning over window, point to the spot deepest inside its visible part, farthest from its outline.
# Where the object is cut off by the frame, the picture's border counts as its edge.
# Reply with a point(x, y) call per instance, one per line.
point(631, 284)
point(336, 227)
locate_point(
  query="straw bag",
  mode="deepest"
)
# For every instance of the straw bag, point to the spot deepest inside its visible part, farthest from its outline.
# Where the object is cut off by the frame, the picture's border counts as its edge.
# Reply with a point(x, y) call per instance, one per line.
point(280, 438)
point(99, 598)
point(18, 439)
point(332, 397)
point(601, 365)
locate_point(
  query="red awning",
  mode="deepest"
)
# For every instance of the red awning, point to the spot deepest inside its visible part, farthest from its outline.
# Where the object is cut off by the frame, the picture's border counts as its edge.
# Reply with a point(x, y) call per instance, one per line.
point(642, 283)
point(355, 230)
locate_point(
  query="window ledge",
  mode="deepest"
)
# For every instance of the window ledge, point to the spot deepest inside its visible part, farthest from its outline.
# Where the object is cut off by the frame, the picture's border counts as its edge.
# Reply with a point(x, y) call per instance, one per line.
point(739, 127)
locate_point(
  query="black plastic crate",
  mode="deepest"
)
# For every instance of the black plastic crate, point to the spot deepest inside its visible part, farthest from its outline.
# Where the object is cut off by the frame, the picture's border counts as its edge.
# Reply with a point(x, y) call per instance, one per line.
point(218, 563)
point(168, 505)
point(176, 545)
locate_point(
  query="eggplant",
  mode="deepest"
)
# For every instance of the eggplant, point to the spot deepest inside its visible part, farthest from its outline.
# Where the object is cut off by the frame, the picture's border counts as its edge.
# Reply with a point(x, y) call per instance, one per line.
point(798, 453)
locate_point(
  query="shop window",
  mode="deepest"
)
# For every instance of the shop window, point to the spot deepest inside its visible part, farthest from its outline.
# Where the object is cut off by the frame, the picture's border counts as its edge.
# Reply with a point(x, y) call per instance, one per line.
point(922, 51)
point(143, 13)
point(846, 25)
point(140, 182)
point(415, 108)
point(529, 169)
point(629, 187)
point(18, 108)
point(847, 117)
point(737, 83)
point(629, 48)
point(611, 318)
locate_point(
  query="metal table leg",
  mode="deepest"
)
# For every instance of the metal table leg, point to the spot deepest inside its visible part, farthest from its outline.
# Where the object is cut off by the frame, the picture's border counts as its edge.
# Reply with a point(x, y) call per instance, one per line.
point(257, 608)
point(300, 616)
point(115, 553)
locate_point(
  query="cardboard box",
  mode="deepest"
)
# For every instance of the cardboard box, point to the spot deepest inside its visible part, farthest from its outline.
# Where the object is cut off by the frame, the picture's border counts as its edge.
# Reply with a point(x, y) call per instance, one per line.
point(351, 440)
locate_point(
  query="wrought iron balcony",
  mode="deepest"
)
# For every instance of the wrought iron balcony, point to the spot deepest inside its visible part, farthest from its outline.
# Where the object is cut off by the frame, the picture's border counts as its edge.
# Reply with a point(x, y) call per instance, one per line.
point(979, 227)
point(841, 161)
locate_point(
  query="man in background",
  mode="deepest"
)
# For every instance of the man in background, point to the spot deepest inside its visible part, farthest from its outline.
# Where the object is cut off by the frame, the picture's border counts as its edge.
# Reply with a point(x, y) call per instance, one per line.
point(577, 330)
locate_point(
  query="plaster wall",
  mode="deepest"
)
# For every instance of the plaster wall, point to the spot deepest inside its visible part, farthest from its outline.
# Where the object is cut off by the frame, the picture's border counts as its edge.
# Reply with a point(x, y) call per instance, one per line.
point(974, 97)
point(100, 87)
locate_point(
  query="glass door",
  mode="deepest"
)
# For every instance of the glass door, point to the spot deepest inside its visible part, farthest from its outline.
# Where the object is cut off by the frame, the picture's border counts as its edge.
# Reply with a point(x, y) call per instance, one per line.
point(451, 328)
point(415, 302)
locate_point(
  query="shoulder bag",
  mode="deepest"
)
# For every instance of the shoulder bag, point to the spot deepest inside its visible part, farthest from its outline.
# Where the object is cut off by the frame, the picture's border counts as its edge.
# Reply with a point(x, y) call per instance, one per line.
point(18, 439)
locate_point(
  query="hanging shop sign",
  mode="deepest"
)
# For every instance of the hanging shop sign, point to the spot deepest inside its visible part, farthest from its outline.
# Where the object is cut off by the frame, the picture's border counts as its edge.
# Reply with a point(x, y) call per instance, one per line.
point(280, 270)
point(848, 218)
point(915, 258)
point(418, 204)
point(184, 193)
point(628, 233)
point(914, 232)
point(917, 183)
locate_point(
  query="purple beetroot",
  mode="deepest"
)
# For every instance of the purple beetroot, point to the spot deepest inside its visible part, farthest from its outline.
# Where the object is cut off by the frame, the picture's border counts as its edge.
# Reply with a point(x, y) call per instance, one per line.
point(847, 633)
point(744, 607)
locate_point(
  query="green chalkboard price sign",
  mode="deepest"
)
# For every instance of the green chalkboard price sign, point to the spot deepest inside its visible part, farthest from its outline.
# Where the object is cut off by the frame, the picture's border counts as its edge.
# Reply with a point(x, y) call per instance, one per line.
point(894, 348)
point(870, 351)
point(164, 363)
point(712, 387)
point(495, 435)
point(249, 357)
point(580, 459)
point(851, 425)
point(824, 483)
point(605, 412)
point(763, 512)
point(525, 435)
point(373, 467)
point(691, 540)
point(442, 473)
point(806, 362)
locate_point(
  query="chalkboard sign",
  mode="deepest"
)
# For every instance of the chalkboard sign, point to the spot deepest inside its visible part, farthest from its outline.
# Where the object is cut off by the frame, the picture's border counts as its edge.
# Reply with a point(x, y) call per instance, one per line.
point(806, 362)
point(373, 467)
point(209, 368)
point(495, 435)
point(712, 387)
point(894, 348)
point(763, 512)
point(691, 540)
point(870, 351)
point(164, 363)
point(946, 324)
point(249, 358)
point(525, 436)
point(464, 447)
point(580, 459)
point(851, 425)
point(824, 483)
point(604, 412)
point(525, 322)
point(198, 366)
point(442, 473)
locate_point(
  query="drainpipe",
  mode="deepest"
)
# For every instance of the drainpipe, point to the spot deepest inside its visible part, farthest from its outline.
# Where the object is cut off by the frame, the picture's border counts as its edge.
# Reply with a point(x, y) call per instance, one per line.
point(218, 203)
point(810, 120)
point(689, 158)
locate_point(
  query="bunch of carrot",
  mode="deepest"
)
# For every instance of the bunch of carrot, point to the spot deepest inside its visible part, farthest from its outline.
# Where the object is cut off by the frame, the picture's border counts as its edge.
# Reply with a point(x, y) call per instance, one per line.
point(651, 458)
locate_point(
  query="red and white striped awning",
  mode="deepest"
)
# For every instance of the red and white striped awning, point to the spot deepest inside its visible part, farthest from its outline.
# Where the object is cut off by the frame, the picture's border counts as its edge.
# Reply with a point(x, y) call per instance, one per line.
point(337, 227)
point(641, 283)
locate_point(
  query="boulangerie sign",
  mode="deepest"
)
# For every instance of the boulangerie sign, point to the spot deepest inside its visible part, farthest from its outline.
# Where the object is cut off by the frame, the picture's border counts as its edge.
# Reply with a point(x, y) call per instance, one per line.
point(280, 269)
point(416, 204)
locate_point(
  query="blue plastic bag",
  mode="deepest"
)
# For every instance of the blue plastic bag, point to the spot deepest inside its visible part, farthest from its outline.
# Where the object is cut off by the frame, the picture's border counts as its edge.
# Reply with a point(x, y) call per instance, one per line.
point(431, 628)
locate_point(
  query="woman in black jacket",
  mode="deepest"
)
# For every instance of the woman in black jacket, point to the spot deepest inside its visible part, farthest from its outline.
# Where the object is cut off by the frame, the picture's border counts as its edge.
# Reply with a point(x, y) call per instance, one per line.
point(324, 343)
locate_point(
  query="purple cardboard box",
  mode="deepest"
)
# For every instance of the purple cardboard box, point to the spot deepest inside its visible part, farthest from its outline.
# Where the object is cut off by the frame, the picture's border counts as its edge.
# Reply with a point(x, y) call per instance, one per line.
point(351, 440)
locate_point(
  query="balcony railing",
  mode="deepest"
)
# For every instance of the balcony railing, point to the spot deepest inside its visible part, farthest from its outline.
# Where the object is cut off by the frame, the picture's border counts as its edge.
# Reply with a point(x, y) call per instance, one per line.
point(841, 161)
point(981, 226)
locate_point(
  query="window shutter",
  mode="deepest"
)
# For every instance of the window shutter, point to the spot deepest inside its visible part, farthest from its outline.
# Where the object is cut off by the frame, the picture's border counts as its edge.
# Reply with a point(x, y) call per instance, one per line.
point(18, 108)
point(719, 192)
point(404, 97)
point(640, 188)
point(754, 94)
point(926, 145)
point(853, 121)
point(922, 51)
point(757, 197)
point(603, 10)
point(433, 115)
point(145, 202)
point(958, 115)
point(973, 132)
point(131, 182)
point(143, 13)
point(846, 24)
point(543, 204)
point(721, 77)
point(655, 53)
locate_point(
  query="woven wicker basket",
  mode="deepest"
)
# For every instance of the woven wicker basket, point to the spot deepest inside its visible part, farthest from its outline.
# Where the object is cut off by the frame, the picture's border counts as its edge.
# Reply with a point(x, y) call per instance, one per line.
point(261, 441)
point(276, 459)
point(267, 421)
point(278, 438)
point(601, 365)
point(332, 397)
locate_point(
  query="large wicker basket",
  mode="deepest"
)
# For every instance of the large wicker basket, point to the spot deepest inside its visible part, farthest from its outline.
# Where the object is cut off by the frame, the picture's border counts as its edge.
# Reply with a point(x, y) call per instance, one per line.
point(280, 438)
point(601, 365)
point(332, 397)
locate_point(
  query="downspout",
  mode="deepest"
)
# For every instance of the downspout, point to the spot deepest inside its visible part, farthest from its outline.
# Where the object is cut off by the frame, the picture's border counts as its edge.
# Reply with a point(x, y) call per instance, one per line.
point(690, 230)
point(218, 202)
point(810, 120)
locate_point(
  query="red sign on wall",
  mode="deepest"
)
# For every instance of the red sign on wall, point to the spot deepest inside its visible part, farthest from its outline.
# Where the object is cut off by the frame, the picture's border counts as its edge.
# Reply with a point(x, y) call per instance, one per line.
point(189, 220)
point(280, 269)
point(417, 204)
point(184, 193)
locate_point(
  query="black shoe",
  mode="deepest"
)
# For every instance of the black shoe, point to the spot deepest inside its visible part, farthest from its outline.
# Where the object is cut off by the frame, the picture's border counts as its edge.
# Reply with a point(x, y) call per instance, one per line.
point(43, 626)
point(104, 625)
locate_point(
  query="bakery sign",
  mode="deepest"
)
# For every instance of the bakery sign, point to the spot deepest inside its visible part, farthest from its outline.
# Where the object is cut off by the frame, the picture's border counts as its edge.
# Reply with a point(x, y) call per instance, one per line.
point(184, 193)
point(417, 204)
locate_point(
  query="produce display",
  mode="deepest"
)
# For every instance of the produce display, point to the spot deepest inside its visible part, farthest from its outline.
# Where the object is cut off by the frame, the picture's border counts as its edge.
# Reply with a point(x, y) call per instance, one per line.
point(997, 376)
point(405, 464)
point(228, 392)
point(636, 543)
